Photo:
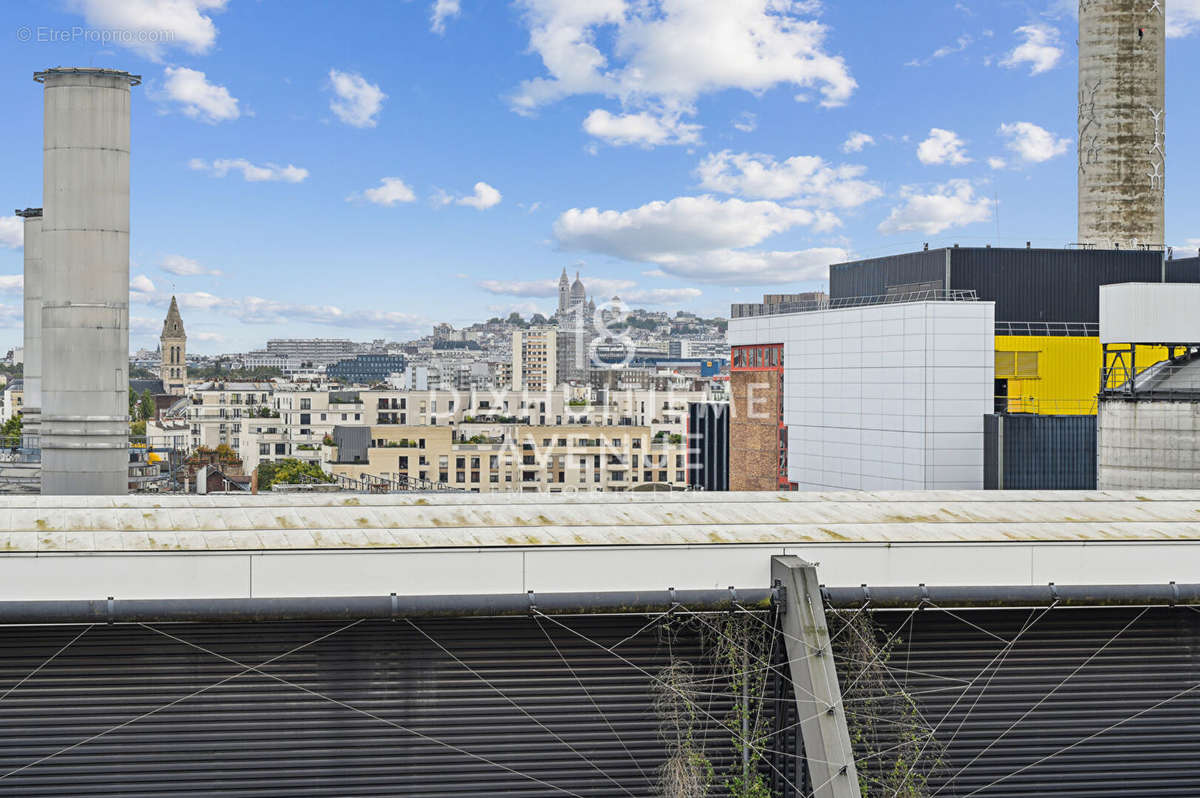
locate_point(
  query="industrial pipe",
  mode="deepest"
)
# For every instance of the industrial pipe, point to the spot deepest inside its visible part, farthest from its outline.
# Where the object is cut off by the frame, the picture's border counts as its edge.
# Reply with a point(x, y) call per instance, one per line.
point(984, 596)
point(353, 607)
point(251, 610)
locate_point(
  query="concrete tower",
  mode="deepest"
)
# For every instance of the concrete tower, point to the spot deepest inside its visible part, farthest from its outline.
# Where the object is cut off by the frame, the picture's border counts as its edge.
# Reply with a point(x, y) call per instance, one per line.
point(564, 293)
point(1122, 154)
point(32, 413)
point(173, 350)
point(85, 289)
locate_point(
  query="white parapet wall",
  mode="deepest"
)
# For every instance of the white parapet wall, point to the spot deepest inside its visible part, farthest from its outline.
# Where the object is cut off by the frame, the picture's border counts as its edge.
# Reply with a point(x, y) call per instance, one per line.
point(143, 547)
point(883, 397)
point(1150, 313)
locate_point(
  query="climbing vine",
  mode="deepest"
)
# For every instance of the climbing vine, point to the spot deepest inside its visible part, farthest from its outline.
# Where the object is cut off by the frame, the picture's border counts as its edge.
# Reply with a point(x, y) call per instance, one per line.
point(896, 752)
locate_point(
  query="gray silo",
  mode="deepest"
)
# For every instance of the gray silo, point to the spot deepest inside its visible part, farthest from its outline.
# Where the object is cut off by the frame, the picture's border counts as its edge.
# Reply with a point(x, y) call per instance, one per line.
point(1122, 122)
point(31, 414)
point(85, 296)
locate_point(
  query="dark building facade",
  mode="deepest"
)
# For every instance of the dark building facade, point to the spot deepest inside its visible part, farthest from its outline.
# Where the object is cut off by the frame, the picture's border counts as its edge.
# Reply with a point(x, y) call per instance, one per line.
point(1022, 451)
point(708, 445)
point(1027, 285)
point(365, 369)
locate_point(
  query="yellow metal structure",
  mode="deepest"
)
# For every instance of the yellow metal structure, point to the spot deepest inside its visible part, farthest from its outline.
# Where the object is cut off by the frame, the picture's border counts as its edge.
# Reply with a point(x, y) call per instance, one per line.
point(1056, 374)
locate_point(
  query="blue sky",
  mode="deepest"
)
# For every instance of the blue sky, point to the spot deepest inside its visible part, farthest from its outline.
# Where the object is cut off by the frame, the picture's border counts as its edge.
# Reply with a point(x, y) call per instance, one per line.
point(365, 169)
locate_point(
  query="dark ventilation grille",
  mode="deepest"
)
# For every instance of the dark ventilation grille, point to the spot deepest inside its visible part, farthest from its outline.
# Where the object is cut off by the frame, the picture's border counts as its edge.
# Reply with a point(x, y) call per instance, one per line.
point(362, 719)
point(1086, 702)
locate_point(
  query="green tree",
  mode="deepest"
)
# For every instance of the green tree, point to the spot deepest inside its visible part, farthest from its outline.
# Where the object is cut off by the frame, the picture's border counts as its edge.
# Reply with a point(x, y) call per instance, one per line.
point(289, 472)
point(147, 405)
point(12, 427)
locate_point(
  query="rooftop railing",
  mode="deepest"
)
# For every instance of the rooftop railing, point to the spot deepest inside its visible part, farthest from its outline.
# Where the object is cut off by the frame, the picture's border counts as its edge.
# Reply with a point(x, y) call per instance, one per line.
point(748, 310)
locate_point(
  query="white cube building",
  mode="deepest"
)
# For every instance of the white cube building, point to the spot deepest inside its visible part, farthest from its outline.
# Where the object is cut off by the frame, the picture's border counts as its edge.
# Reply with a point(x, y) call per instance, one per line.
point(882, 397)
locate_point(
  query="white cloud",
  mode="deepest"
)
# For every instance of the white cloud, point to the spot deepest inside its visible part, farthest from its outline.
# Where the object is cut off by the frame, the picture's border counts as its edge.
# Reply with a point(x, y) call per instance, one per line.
point(952, 204)
point(996, 162)
point(1183, 18)
point(389, 191)
point(856, 141)
point(600, 288)
point(746, 122)
point(12, 283)
point(660, 296)
point(356, 102)
point(485, 197)
point(207, 337)
point(1041, 49)
point(250, 172)
point(961, 43)
point(142, 285)
point(804, 179)
point(12, 232)
point(527, 288)
point(199, 98)
point(150, 26)
point(1033, 144)
point(257, 310)
point(185, 267)
point(662, 56)
point(597, 287)
point(643, 129)
point(442, 11)
point(699, 238)
point(682, 225)
point(942, 147)
point(751, 267)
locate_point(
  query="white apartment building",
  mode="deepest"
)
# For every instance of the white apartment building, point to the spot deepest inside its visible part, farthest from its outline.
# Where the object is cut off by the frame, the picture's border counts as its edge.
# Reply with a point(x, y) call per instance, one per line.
point(271, 422)
point(535, 358)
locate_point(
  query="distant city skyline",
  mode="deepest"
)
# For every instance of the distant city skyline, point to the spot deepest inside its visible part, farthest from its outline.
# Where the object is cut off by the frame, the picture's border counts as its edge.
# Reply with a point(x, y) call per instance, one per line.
point(451, 162)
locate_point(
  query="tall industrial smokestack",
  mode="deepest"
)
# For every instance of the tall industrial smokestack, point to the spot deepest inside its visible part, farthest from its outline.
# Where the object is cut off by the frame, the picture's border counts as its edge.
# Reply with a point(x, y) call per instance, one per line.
point(31, 415)
point(85, 290)
point(1122, 119)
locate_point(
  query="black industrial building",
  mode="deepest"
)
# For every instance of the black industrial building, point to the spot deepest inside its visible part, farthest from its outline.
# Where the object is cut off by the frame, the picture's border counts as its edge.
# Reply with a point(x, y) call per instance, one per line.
point(708, 445)
point(1027, 285)
point(1183, 270)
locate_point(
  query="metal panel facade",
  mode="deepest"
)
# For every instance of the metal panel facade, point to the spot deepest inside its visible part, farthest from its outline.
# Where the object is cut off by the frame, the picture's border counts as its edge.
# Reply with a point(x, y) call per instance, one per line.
point(1033, 452)
point(874, 276)
point(1049, 284)
point(1183, 270)
point(1149, 313)
point(1042, 285)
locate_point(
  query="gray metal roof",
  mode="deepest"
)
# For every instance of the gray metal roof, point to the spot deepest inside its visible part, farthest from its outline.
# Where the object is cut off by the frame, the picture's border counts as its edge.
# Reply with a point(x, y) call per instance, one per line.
point(347, 521)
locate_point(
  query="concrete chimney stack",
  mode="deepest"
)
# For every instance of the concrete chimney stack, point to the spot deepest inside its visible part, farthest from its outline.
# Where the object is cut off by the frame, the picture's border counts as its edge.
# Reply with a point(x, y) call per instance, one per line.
point(85, 287)
point(1122, 123)
point(31, 415)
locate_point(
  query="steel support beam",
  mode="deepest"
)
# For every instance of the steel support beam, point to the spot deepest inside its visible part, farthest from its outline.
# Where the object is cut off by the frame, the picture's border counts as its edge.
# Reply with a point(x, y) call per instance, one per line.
point(827, 749)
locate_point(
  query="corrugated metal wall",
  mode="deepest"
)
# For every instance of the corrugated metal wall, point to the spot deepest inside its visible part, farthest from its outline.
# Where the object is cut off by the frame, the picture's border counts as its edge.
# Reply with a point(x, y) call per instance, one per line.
point(1060, 285)
point(873, 276)
point(1040, 452)
point(125, 710)
point(1049, 284)
point(1183, 270)
point(1086, 702)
